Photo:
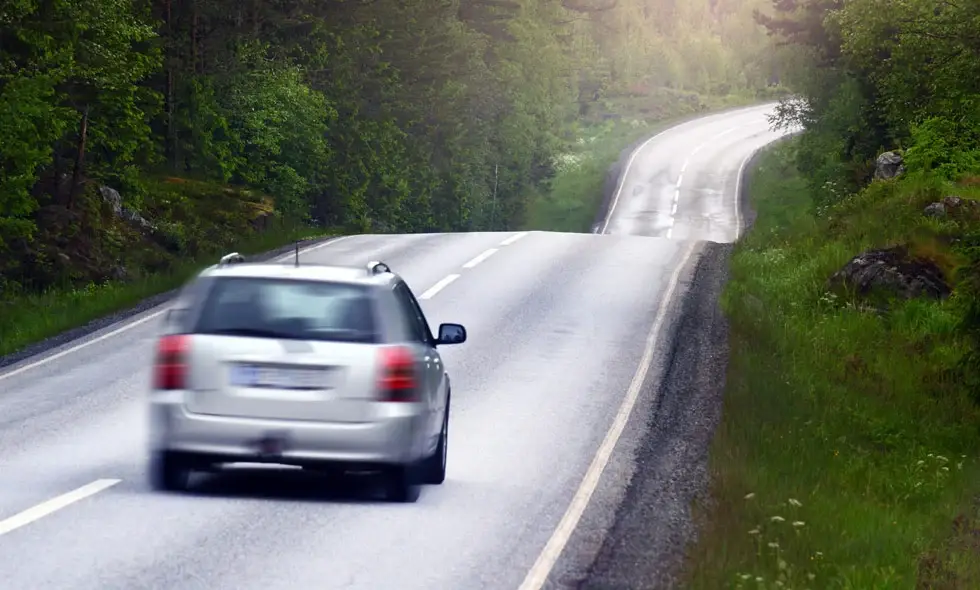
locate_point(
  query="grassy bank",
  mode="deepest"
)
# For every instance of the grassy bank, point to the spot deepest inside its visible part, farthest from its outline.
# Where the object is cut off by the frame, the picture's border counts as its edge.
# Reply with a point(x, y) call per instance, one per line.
point(90, 260)
point(577, 190)
point(30, 318)
point(847, 452)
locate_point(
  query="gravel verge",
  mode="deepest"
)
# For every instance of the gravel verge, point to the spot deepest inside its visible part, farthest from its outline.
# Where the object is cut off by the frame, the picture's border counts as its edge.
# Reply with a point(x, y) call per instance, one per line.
point(653, 525)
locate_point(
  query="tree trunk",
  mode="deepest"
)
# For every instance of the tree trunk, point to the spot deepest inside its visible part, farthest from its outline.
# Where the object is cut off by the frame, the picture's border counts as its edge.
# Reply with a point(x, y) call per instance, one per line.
point(171, 144)
point(76, 176)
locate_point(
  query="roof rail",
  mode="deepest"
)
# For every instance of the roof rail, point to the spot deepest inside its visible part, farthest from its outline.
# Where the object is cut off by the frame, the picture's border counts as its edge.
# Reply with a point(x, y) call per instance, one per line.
point(233, 258)
point(376, 267)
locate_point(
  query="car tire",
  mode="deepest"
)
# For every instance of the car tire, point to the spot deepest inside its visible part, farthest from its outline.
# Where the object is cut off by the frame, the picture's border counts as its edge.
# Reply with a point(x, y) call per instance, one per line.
point(434, 467)
point(169, 472)
point(402, 484)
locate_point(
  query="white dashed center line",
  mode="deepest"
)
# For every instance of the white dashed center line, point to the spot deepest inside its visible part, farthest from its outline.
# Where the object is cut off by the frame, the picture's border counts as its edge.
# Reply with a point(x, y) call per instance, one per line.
point(480, 258)
point(54, 504)
point(513, 238)
point(438, 287)
point(475, 261)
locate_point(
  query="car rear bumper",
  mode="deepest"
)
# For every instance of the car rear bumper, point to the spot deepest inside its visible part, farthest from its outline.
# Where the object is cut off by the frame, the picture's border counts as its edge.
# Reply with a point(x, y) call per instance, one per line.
point(396, 437)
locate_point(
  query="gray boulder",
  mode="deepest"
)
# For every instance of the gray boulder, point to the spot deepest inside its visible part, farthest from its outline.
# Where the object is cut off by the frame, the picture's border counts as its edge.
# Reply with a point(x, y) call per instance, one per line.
point(889, 165)
point(935, 210)
point(114, 199)
point(891, 271)
point(952, 206)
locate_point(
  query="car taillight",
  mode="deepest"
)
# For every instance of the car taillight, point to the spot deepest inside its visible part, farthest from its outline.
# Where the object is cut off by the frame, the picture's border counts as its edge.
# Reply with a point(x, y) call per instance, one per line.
point(397, 379)
point(170, 371)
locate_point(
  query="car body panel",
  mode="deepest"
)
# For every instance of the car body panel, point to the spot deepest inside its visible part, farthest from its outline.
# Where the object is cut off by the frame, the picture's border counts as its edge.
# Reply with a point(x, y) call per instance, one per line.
point(393, 436)
point(238, 396)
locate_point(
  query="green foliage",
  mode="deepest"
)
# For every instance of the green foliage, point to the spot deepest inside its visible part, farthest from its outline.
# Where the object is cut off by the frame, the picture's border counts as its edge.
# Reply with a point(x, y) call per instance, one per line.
point(376, 116)
point(948, 147)
point(874, 76)
point(848, 440)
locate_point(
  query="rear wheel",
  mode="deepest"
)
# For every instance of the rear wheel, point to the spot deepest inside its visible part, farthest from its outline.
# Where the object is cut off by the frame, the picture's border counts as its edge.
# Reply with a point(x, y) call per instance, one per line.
point(169, 472)
point(402, 483)
point(434, 467)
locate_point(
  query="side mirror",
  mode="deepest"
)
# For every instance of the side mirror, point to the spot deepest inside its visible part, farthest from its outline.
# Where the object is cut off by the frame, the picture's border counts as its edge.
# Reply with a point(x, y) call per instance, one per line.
point(233, 258)
point(451, 334)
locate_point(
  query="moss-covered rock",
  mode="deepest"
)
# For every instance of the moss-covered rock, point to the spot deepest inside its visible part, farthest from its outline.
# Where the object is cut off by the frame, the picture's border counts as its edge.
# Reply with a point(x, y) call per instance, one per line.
point(102, 236)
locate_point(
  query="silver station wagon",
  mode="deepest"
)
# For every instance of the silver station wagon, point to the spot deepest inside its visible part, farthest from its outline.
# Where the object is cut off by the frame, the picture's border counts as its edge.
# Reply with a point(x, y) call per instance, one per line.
point(325, 367)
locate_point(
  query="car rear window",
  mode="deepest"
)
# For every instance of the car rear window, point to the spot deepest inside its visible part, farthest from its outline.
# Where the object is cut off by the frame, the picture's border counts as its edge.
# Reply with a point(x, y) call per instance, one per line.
point(288, 309)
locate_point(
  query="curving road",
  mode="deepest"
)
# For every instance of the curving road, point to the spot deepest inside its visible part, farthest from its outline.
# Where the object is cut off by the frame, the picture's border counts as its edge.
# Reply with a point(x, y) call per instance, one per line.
point(566, 334)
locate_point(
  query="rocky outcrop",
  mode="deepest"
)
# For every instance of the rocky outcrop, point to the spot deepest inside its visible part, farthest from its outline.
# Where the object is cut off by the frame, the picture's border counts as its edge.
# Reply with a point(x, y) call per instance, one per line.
point(891, 271)
point(937, 210)
point(156, 233)
point(114, 200)
point(261, 214)
point(889, 165)
point(953, 206)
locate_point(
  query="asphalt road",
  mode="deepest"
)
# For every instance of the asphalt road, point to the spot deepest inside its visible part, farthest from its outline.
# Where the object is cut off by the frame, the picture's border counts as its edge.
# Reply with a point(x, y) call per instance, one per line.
point(567, 341)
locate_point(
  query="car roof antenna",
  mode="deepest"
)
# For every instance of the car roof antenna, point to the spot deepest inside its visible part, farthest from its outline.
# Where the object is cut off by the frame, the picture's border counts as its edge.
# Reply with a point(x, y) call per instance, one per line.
point(297, 252)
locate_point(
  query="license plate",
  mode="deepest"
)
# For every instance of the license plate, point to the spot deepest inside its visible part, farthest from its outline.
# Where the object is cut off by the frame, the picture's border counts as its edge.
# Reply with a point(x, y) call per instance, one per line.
point(278, 377)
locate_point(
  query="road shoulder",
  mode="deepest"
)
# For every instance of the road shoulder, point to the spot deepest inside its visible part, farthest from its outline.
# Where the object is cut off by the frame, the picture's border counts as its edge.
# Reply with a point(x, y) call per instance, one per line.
point(653, 524)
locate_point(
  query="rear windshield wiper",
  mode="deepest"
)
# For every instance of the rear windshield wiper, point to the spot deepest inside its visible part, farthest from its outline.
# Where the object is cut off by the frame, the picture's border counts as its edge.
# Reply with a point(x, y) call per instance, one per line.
point(255, 332)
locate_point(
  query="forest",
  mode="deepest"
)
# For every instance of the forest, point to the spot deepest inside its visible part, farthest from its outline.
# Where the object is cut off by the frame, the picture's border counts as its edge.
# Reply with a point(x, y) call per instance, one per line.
point(134, 133)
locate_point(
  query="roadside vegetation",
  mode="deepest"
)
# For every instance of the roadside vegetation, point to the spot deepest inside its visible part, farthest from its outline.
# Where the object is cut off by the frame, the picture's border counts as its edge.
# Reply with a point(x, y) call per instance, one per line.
point(32, 317)
point(138, 137)
point(848, 455)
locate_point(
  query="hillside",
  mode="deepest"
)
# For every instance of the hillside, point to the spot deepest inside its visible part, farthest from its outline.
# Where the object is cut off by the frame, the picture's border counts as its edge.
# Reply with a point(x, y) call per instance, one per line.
point(847, 454)
point(138, 137)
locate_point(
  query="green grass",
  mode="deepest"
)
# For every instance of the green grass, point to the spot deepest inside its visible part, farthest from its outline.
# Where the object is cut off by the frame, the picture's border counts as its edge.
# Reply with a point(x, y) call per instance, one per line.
point(31, 318)
point(576, 191)
point(847, 452)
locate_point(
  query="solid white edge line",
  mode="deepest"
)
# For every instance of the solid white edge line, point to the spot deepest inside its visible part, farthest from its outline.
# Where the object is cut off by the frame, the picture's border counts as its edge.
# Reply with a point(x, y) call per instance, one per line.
point(55, 504)
point(68, 351)
point(132, 324)
point(538, 574)
point(738, 194)
point(438, 286)
point(513, 238)
point(480, 258)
